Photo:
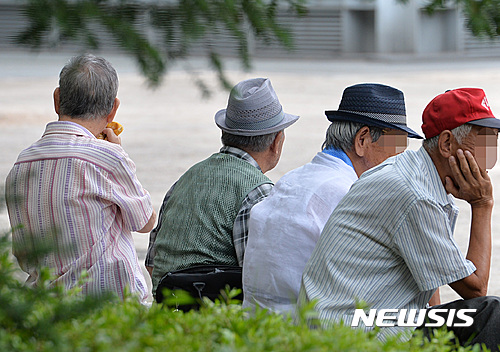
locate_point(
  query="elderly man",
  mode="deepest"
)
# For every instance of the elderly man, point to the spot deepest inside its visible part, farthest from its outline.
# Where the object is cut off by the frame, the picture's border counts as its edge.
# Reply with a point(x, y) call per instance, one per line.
point(389, 242)
point(368, 127)
point(80, 194)
point(203, 219)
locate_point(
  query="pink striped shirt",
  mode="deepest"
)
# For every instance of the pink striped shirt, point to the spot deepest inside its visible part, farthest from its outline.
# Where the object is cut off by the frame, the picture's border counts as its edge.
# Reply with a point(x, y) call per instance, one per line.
point(82, 196)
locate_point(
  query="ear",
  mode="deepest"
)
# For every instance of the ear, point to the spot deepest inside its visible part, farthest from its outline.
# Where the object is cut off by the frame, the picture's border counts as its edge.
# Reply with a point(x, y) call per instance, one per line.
point(362, 140)
point(112, 114)
point(57, 102)
point(445, 144)
point(277, 144)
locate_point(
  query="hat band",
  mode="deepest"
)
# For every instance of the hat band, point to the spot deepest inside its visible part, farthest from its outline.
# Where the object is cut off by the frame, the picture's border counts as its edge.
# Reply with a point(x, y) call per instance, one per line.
point(390, 118)
point(259, 125)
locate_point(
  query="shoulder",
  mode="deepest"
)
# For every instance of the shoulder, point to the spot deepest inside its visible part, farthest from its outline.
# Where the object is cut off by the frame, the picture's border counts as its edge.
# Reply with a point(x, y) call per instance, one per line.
point(107, 156)
point(324, 171)
point(110, 154)
point(240, 169)
point(384, 189)
point(81, 147)
point(403, 172)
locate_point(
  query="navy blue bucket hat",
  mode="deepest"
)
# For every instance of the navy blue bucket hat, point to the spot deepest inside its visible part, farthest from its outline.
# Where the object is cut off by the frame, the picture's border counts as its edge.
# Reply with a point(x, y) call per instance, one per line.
point(375, 105)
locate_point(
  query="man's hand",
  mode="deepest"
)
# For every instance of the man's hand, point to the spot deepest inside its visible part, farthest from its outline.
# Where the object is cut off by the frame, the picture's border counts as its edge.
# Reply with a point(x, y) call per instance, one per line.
point(474, 186)
point(110, 136)
point(471, 183)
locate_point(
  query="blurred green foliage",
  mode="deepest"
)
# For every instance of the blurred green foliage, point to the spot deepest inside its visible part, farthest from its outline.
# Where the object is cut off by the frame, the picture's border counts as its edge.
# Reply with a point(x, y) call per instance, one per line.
point(157, 33)
point(47, 318)
point(482, 16)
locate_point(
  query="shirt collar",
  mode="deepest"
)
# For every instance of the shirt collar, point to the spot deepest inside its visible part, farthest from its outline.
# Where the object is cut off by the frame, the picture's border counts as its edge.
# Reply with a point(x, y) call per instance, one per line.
point(435, 184)
point(339, 154)
point(67, 127)
point(239, 153)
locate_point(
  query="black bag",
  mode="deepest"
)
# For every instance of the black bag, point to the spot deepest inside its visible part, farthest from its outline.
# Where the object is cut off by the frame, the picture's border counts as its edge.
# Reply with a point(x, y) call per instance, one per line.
point(201, 281)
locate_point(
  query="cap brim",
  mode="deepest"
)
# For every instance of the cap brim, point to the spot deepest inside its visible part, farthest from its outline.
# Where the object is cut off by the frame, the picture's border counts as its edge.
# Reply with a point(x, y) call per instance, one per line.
point(491, 122)
point(335, 115)
point(220, 121)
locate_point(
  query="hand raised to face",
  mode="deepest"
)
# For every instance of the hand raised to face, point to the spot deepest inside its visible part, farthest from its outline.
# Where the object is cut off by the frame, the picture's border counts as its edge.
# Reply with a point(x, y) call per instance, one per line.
point(470, 182)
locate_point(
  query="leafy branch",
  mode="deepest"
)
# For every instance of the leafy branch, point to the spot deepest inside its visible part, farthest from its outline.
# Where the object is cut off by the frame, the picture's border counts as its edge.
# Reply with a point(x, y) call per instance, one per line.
point(482, 16)
point(156, 34)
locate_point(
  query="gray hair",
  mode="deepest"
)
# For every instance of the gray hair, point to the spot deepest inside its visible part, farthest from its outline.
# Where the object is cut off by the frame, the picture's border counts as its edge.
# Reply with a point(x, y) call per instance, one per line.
point(249, 143)
point(87, 87)
point(460, 132)
point(341, 134)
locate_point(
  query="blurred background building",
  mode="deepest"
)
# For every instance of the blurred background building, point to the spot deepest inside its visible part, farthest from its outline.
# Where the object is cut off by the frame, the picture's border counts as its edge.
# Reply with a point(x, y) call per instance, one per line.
point(335, 28)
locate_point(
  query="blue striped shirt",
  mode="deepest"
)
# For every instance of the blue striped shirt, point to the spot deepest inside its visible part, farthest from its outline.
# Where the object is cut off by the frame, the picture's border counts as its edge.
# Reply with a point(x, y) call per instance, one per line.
point(388, 243)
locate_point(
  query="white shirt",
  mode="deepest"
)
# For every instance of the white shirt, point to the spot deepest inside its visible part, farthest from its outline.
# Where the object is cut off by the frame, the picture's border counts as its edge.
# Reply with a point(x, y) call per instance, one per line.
point(284, 229)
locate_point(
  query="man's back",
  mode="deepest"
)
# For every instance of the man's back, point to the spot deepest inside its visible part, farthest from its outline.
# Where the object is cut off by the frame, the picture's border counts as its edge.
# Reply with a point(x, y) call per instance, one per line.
point(368, 127)
point(285, 227)
point(197, 221)
point(388, 243)
point(81, 195)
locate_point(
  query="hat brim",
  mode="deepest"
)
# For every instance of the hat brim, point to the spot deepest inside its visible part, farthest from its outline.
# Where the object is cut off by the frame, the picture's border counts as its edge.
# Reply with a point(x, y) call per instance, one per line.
point(490, 122)
point(335, 115)
point(220, 121)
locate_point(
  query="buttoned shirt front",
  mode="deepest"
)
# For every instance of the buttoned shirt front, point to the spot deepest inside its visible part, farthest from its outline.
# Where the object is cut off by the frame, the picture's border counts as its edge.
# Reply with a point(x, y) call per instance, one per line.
point(285, 227)
point(389, 243)
point(81, 195)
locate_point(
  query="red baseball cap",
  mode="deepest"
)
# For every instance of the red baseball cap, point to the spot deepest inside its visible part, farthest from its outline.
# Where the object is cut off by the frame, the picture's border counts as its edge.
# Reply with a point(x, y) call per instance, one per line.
point(455, 108)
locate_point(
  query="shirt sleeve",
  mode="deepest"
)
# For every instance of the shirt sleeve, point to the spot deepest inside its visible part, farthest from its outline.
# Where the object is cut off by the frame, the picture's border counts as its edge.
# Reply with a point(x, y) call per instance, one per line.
point(240, 227)
point(425, 242)
point(129, 195)
point(150, 255)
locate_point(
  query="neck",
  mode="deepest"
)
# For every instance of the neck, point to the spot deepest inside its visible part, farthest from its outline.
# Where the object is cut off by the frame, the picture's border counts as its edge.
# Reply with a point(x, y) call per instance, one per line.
point(441, 165)
point(263, 159)
point(358, 163)
point(95, 126)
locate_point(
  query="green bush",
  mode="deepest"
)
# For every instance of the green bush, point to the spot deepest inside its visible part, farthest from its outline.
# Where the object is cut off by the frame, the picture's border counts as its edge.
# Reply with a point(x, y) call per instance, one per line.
point(51, 319)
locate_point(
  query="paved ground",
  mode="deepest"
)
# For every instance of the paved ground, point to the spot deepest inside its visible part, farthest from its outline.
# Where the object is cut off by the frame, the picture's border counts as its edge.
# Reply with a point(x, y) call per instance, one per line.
point(170, 128)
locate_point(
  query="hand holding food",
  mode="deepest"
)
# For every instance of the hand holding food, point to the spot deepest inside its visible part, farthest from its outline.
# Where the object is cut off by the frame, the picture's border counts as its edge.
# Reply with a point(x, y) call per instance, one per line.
point(115, 126)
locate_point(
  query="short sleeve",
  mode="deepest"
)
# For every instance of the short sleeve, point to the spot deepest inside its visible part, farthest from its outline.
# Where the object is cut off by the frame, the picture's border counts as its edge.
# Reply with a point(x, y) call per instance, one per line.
point(425, 242)
point(129, 195)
